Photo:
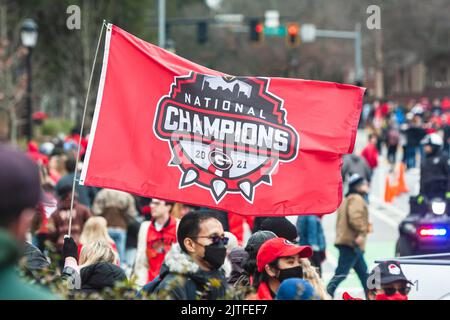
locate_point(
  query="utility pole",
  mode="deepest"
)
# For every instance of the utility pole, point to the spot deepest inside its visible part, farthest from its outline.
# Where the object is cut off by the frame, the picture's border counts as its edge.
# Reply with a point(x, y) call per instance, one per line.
point(162, 23)
point(309, 33)
point(293, 63)
point(359, 72)
point(29, 128)
point(379, 76)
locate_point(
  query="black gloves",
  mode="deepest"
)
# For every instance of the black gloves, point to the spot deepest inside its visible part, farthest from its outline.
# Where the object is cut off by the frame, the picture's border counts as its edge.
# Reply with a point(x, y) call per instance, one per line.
point(70, 248)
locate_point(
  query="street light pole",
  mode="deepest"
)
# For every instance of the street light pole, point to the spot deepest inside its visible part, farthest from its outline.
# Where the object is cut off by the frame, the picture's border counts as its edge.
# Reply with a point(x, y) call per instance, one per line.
point(162, 23)
point(29, 35)
point(359, 70)
point(29, 127)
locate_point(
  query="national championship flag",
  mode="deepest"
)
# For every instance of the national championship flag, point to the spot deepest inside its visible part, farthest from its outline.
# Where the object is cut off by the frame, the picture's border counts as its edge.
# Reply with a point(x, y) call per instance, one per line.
point(165, 127)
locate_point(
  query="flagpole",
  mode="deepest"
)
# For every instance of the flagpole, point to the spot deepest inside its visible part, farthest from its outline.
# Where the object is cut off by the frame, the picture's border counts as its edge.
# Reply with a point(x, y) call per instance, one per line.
point(82, 126)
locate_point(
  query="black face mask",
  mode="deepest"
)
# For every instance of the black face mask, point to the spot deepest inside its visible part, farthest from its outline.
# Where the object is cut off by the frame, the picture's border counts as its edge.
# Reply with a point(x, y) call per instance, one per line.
point(215, 255)
point(294, 272)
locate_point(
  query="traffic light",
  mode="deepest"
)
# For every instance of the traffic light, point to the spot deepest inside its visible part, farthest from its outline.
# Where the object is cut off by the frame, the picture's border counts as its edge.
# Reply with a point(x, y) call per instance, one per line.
point(256, 31)
point(202, 32)
point(292, 34)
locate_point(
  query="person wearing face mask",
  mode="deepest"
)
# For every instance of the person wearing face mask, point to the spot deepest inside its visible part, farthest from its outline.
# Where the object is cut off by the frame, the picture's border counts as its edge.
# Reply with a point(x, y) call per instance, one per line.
point(278, 259)
point(192, 268)
point(387, 282)
point(352, 227)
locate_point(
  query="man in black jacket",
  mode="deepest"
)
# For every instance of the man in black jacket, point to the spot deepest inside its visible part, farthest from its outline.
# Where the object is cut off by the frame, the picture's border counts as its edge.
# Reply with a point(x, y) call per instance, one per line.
point(192, 268)
point(435, 169)
point(414, 134)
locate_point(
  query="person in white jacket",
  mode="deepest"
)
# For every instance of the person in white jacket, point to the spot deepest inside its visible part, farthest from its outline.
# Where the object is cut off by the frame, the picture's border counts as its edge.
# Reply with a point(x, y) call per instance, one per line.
point(160, 211)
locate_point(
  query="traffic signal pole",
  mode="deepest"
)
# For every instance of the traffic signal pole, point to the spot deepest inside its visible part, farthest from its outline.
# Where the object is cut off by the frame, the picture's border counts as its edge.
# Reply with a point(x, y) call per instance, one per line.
point(352, 35)
point(162, 23)
point(358, 54)
point(254, 26)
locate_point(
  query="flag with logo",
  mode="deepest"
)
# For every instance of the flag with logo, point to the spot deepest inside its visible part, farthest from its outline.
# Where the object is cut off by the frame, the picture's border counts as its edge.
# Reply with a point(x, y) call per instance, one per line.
point(165, 127)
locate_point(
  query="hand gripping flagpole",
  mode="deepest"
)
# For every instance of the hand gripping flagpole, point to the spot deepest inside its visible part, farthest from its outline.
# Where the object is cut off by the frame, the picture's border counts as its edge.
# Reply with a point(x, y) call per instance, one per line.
point(82, 126)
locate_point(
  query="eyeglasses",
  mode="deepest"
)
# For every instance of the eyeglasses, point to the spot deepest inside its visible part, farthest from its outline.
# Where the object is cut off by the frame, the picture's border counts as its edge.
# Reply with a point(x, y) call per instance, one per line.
point(402, 290)
point(216, 239)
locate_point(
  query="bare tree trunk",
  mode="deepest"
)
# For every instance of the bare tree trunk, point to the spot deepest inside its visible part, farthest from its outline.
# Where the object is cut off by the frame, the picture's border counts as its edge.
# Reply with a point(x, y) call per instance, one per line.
point(7, 82)
point(13, 125)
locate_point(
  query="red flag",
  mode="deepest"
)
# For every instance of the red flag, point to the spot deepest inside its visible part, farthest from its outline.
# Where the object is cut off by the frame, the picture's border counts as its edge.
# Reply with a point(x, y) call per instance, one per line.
point(168, 128)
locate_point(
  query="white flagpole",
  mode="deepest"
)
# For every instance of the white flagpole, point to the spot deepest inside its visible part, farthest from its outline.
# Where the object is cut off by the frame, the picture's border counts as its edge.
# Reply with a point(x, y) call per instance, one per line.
point(82, 125)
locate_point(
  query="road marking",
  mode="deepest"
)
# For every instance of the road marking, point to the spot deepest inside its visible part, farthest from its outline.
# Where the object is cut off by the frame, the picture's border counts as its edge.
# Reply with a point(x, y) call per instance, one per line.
point(380, 215)
point(388, 206)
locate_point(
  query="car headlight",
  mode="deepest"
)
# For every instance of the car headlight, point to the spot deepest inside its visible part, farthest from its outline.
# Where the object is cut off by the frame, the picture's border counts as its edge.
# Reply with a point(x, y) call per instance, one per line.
point(438, 207)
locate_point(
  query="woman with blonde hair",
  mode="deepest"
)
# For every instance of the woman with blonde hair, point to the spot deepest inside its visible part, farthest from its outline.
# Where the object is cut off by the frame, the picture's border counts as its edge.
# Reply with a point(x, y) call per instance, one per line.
point(94, 230)
point(97, 268)
point(96, 252)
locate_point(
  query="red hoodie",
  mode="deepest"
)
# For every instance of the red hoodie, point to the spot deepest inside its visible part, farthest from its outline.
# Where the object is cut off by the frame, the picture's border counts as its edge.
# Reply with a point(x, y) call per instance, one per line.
point(158, 244)
point(370, 153)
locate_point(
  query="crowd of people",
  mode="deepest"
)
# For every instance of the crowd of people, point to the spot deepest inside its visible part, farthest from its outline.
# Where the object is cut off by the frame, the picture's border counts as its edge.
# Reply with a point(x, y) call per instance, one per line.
point(169, 250)
point(175, 251)
point(403, 126)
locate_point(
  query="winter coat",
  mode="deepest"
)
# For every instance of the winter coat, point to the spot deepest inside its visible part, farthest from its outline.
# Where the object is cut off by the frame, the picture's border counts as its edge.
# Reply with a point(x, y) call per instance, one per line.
point(414, 136)
point(117, 207)
point(132, 233)
point(99, 276)
point(35, 259)
point(435, 176)
point(148, 262)
point(183, 279)
point(236, 257)
point(12, 287)
point(58, 224)
point(393, 137)
point(352, 220)
point(370, 153)
point(311, 233)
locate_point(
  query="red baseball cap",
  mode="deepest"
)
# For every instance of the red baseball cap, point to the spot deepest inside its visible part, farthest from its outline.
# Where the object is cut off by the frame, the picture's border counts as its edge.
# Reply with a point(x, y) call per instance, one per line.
point(280, 247)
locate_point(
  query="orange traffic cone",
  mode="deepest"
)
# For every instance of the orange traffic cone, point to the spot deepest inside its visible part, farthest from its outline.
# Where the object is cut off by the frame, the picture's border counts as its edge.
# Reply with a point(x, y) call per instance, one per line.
point(388, 196)
point(395, 190)
point(401, 179)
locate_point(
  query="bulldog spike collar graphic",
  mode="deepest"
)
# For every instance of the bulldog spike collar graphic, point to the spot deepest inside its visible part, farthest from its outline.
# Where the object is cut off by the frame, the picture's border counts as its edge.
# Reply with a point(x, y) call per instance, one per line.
point(226, 134)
